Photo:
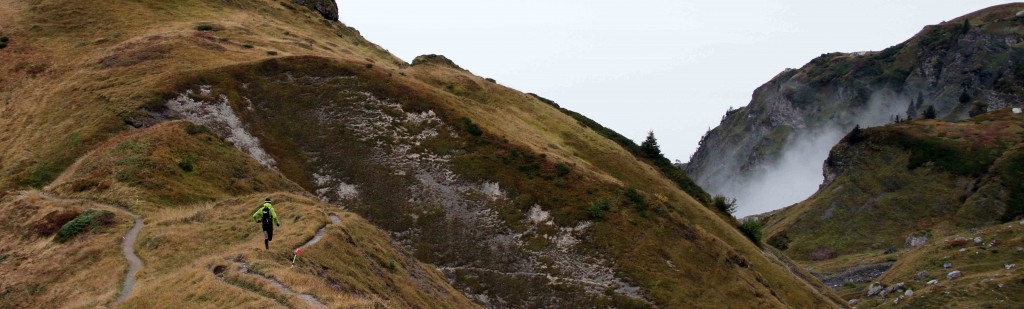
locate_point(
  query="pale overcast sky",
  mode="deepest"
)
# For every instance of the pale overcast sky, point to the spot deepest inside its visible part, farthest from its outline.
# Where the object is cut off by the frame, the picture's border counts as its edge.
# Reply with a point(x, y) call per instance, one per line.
point(665, 65)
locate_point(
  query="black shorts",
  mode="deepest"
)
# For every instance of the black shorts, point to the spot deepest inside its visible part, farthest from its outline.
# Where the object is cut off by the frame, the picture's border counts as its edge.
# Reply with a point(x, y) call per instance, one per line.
point(268, 229)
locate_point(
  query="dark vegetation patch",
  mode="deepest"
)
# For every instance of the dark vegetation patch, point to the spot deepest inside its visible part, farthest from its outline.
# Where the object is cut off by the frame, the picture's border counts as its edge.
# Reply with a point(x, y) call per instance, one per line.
point(53, 221)
point(779, 241)
point(724, 204)
point(88, 221)
point(753, 229)
point(951, 156)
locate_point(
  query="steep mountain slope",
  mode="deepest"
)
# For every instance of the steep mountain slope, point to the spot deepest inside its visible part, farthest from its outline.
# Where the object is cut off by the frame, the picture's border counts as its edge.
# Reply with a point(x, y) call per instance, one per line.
point(970, 63)
point(516, 203)
point(918, 185)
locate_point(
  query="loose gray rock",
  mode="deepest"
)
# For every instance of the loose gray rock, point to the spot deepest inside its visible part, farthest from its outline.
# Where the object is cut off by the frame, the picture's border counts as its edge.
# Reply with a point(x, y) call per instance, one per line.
point(1020, 249)
point(978, 240)
point(857, 274)
point(854, 301)
point(875, 288)
point(891, 289)
point(897, 300)
point(908, 293)
point(1009, 266)
point(947, 265)
point(954, 274)
point(916, 241)
point(1019, 14)
point(933, 281)
point(921, 276)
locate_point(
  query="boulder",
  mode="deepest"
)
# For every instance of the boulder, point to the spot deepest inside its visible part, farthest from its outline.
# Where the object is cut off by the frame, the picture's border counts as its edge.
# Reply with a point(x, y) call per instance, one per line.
point(921, 276)
point(327, 8)
point(916, 241)
point(892, 288)
point(954, 274)
point(875, 288)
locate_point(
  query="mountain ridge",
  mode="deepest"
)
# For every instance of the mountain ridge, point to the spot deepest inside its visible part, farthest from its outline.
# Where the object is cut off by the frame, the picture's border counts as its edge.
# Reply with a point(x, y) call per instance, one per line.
point(973, 59)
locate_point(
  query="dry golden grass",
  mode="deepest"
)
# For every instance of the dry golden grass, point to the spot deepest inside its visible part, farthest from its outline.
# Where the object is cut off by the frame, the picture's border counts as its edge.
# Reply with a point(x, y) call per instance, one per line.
point(37, 272)
point(76, 71)
point(184, 247)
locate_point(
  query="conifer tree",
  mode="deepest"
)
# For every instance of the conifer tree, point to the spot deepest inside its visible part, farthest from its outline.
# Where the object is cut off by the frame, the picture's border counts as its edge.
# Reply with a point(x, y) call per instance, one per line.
point(930, 112)
point(912, 110)
point(650, 146)
point(964, 97)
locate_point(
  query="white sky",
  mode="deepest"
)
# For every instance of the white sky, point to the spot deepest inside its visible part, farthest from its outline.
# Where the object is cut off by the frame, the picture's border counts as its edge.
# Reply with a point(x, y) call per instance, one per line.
point(669, 66)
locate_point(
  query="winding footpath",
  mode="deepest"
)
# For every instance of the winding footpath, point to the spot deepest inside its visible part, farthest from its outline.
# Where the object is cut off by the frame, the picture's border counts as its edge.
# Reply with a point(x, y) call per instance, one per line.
point(134, 262)
point(283, 289)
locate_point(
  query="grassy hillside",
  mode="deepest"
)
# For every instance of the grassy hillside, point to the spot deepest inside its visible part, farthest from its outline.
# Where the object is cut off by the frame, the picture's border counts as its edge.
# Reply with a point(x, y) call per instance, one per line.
point(491, 185)
point(930, 179)
point(38, 270)
point(198, 233)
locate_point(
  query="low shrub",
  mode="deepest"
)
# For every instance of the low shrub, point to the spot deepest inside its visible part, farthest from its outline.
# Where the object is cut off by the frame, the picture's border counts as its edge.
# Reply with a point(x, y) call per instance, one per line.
point(193, 129)
point(599, 209)
point(562, 169)
point(471, 128)
point(187, 165)
point(206, 27)
point(634, 197)
point(87, 221)
point(272, 53)
point(779, 241)
point(247, 46)
point(753, 230)
point(724, 204)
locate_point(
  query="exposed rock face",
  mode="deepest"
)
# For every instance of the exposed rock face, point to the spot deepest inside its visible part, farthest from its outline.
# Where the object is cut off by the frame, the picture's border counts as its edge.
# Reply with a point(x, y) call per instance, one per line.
point(327, 8)
point(437, 60)
point(838, 90)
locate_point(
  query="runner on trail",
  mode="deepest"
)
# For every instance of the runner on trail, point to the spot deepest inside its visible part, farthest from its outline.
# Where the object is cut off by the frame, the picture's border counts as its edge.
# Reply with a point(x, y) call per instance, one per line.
point(268, 217)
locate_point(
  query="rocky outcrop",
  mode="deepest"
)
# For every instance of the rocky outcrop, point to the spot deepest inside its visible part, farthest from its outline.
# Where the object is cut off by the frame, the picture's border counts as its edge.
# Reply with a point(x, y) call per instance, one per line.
point(440, 60)
point(972, 63)
point(327, 8)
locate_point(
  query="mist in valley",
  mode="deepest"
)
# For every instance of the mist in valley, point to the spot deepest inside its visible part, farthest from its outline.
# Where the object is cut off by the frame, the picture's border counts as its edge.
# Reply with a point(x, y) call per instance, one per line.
point(797, 173)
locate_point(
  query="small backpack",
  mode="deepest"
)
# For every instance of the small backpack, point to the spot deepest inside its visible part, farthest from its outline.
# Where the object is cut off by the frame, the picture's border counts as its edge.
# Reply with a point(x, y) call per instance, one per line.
point(266, 215)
